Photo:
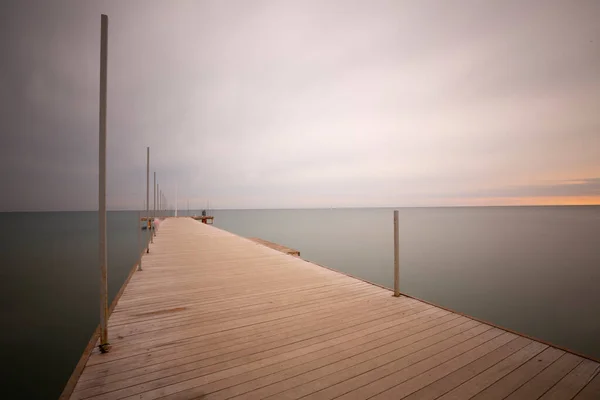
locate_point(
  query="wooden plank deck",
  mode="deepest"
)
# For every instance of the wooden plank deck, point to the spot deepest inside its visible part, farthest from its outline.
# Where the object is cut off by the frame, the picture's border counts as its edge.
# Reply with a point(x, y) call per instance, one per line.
point(214, 316)
point(275, 246)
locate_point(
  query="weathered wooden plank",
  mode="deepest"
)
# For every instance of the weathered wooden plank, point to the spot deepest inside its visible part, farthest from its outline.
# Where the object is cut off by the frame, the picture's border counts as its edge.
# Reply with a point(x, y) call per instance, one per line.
point(350, 371)
point(543, 381)
point(366, 324)
point(275, 246)
point(494, 373)
point(458, 370)
point(392, 374)
point(592, 390)
point(518, 377)
point(240, 337)
point(361, 348)
point(573, 382)
point(187, 377)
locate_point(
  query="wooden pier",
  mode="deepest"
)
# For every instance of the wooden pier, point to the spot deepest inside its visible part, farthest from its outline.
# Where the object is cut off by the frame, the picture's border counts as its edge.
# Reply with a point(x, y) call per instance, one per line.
point(275, 246)
point(215, 316)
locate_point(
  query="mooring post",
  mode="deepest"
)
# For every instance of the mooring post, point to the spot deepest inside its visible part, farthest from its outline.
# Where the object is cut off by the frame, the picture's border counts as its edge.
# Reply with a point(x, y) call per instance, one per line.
point(139, 230)
point(158, 214)
point(148, 223)
point(396, 256)
point(104, 345)
point(153, 230)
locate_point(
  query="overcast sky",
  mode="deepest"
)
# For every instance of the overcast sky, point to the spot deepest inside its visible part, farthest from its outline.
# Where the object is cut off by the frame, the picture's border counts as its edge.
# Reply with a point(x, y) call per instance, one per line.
point(260, 104)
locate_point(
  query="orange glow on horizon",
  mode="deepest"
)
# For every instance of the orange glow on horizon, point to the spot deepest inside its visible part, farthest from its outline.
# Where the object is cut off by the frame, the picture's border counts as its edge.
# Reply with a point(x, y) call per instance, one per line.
point(529, 201)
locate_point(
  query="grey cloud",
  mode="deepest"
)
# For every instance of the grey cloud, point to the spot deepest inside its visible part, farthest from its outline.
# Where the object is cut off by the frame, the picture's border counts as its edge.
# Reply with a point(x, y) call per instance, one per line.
point(291, 104)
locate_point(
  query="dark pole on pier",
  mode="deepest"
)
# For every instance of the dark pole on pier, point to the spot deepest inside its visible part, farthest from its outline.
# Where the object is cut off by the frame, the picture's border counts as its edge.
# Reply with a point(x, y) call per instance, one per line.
point(104, 345)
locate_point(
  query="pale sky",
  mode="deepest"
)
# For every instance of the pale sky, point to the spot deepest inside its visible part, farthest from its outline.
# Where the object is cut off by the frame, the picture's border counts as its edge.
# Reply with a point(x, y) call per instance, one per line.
point(277, 104)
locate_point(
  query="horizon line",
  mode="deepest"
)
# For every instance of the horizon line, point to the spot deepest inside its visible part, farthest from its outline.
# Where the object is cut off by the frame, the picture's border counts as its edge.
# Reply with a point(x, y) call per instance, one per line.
point(322, 208)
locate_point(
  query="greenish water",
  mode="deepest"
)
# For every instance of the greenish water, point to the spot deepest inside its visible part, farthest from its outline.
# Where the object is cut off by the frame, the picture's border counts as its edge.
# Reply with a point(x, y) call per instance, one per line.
point(532, 269)
point(49, 294)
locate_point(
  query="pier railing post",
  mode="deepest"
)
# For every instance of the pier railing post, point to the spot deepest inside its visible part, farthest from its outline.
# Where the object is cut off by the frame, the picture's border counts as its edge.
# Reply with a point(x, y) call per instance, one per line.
point(152, 230)
point(148, 226)
point(396, 256)
point(139, 233)
point(104, 345)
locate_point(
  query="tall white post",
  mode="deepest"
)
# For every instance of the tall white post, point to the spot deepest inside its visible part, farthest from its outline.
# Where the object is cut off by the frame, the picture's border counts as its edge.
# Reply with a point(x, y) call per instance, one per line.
point(153, 232)
point(175, 199)
point(396, 256)
point(148, 223)
point(104, 345)
point(139, 230)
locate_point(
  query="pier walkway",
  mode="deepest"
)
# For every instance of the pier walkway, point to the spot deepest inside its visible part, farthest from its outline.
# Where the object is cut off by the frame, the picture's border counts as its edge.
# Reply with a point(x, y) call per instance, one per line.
point(217, 316)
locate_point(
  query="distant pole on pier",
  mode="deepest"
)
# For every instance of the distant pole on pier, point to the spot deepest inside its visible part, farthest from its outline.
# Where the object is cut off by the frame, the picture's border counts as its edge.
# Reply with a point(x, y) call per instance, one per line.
point(176, 199)
point(148, 223)
point(396, 256)
point(153, 231)
point(104, 345)
point(139, 232)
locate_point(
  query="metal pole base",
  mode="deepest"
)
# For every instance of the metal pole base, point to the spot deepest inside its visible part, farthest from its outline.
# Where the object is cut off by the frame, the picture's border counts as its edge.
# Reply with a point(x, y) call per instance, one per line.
point(104, 348)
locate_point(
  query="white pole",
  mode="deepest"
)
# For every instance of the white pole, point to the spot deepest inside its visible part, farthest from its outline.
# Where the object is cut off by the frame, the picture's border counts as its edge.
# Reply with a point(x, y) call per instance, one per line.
point(148, 194)
point(175, 199)
point(104, 345)
point(153, 232)
point(396, 256)
point(139, 230)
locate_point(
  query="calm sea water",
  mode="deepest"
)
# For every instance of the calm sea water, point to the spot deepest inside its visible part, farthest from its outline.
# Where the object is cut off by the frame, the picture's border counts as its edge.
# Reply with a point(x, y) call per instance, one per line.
point(532, 269)
point(49, 291)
